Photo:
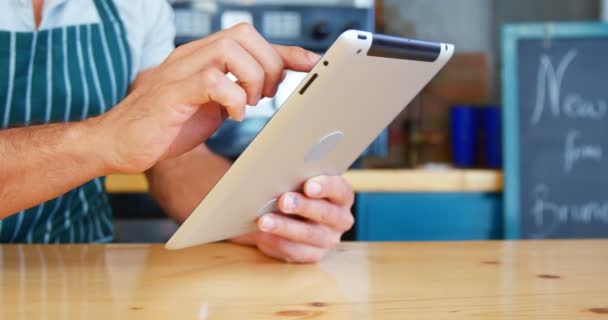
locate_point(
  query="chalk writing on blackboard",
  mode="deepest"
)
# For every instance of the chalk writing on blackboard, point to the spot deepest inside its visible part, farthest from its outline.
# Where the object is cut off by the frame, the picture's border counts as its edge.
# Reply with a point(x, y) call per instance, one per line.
point(551, 79)
point(553, 101)
point(555, 111)
point(549, 214)
point(574, 106)
point(549, 83)
point(575, 151)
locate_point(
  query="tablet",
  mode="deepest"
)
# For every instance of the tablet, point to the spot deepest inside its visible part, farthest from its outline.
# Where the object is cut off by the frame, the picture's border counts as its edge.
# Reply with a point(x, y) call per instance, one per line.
point(358, 87)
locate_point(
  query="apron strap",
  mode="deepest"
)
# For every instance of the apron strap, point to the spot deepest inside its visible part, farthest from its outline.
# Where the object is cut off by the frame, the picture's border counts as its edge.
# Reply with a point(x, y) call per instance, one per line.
point(111, 21)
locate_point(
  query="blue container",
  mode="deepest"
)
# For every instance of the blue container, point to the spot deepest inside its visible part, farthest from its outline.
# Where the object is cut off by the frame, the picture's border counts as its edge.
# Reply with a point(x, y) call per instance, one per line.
point(492, 135)
point(463, 125)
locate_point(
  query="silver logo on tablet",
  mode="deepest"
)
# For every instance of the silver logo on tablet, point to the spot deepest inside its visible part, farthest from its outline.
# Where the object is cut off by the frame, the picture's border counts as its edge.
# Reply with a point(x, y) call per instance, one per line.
point(324, 147)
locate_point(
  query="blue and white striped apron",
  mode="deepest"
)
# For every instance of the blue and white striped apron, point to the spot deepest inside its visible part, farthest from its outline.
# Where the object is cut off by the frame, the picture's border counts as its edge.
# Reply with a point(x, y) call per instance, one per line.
point(58, 75)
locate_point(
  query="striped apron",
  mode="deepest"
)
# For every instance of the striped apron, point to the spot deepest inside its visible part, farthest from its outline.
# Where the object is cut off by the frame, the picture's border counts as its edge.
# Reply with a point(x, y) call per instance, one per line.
point(58, 75)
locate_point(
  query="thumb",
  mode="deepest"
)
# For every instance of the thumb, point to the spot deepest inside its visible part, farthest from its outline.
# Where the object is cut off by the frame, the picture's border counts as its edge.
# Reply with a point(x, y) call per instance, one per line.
point(296, 58)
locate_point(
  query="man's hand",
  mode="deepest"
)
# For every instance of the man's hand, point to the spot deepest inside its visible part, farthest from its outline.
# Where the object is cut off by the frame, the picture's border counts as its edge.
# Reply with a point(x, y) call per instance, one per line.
point(309, 225)
point(183, 101)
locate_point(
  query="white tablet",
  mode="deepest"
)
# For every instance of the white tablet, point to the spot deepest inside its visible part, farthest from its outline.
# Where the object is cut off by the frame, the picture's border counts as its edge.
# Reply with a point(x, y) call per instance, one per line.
point(359, 86)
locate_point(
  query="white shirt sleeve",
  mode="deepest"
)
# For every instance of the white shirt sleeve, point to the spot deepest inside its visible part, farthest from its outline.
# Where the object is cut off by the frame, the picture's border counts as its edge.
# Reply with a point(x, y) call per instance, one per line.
point(150, 31)
point(160, 36)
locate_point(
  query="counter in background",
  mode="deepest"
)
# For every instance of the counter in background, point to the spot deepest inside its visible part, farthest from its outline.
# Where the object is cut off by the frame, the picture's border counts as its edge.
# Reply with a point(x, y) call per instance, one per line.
point(398, 205)
point(379, 180)
point(408, 204)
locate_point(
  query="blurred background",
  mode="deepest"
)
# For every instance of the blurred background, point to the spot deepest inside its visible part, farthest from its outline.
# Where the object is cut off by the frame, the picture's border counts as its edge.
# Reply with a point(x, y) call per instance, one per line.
point(438, 171)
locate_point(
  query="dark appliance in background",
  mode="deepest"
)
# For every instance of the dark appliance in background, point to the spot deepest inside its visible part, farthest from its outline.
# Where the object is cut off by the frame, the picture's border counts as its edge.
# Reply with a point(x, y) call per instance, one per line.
point(312, 24)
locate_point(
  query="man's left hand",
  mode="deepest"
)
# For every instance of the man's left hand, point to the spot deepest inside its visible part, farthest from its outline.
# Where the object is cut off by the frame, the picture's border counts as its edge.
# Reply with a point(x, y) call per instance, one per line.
point(309, 224)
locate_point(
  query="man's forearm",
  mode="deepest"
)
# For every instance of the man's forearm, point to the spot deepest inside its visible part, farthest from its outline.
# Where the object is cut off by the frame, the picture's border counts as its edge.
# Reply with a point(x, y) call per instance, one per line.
point(179, 184)
point(39, 163)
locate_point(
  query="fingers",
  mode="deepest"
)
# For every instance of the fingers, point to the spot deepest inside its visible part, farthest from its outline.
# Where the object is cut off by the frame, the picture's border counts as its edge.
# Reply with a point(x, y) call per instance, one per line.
point(185, 96)
point(228, 56)
point(253, 42)
point(326, 206)
point(271, 59)
point(250, 74)
point(318, 210)
point(296, 58)
point(299, 231)
point(286, 250)
point(246, 239)
point(334, 188)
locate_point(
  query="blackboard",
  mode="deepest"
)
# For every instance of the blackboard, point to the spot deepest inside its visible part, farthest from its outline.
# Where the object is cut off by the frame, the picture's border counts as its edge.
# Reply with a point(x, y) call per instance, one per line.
point(555, 119)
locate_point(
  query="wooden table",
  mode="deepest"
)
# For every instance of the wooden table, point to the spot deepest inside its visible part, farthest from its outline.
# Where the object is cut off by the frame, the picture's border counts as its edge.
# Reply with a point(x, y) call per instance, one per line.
point(457, 280)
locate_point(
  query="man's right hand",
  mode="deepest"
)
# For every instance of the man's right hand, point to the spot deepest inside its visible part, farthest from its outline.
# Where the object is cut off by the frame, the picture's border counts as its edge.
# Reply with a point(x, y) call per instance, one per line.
point(183, 101)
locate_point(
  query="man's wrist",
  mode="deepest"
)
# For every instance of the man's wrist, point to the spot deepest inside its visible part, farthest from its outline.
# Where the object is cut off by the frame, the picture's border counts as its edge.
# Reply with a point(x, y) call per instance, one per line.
point(95, 146)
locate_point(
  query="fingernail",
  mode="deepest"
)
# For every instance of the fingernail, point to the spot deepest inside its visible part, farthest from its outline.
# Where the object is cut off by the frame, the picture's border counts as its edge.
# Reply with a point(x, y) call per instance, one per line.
point(234, 114)
point(313, 188)
point(289, 203)
point(313, 57)
point(267, 224)
point(241, 114)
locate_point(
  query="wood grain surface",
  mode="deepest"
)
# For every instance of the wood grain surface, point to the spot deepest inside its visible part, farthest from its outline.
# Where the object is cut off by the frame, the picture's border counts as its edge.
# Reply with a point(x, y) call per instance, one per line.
point(450, 280)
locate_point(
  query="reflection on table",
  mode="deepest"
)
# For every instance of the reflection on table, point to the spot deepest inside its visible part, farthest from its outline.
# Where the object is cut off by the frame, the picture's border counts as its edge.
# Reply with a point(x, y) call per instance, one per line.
point(458, 280)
